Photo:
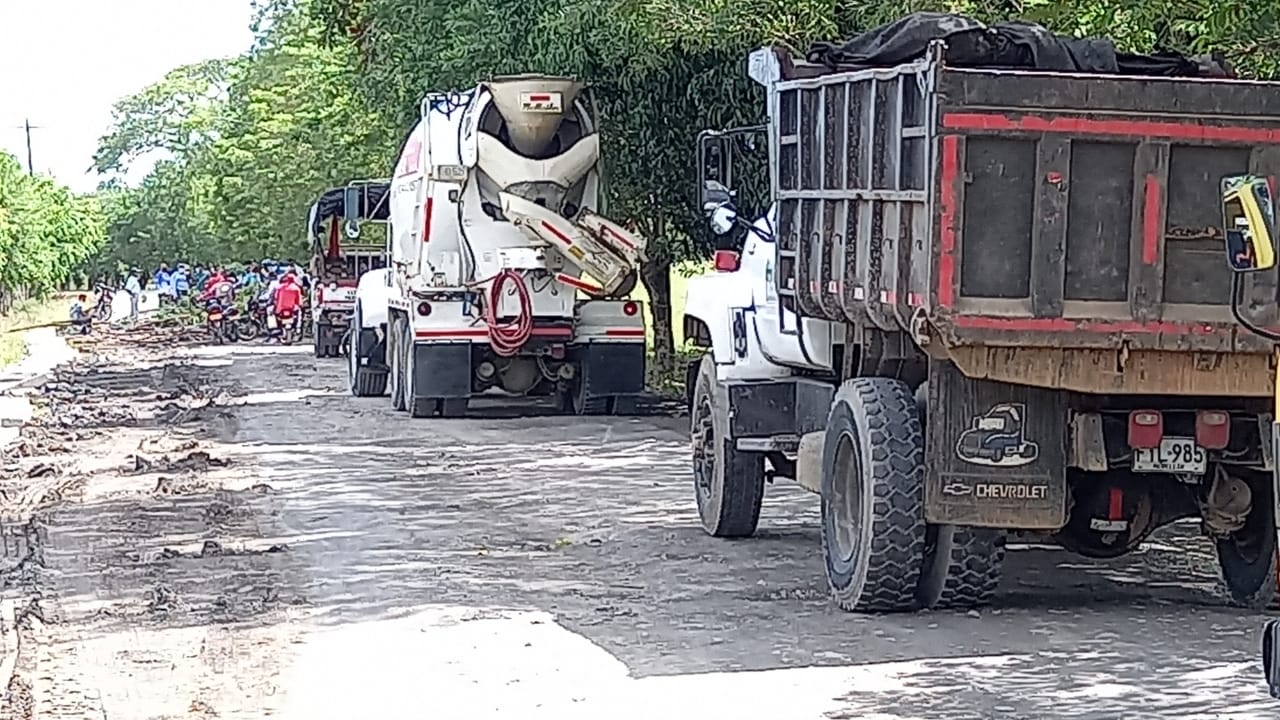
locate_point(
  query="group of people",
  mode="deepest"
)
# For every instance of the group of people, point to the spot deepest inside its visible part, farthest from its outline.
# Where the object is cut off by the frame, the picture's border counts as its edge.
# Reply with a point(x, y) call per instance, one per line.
point(279, 287)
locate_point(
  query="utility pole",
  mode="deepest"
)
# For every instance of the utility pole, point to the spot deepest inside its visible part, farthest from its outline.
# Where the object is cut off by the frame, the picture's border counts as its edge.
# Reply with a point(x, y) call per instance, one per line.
point(28, 127)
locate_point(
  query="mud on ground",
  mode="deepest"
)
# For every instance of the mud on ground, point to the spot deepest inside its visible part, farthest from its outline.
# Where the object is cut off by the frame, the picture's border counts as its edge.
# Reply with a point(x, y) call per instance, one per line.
point(195, 532)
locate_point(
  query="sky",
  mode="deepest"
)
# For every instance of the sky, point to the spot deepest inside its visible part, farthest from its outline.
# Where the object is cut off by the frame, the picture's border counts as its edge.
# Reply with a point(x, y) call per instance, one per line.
point(64, 63)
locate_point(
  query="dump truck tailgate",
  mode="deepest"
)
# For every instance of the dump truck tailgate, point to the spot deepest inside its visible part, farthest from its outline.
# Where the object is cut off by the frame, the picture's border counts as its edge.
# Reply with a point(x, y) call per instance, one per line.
point(1021, 208)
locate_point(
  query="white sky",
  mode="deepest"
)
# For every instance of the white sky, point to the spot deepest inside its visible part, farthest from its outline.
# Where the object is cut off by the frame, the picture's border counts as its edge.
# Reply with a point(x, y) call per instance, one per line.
point(63, 63)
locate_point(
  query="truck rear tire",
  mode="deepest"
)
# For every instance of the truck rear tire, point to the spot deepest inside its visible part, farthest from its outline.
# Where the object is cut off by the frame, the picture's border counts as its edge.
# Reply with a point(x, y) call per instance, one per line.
point(419, 407)
point(728, 485)
point(396, 357)
point(974, 557)
point(873, 526)
point(1248, 558)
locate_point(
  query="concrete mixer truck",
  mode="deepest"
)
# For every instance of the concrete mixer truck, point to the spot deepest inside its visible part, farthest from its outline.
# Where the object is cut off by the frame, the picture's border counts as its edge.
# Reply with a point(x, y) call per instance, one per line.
point(504, 272)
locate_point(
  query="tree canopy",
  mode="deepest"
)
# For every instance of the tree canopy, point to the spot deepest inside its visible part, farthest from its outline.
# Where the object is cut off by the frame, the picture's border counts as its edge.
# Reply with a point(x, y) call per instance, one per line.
point(330, 87)
point(46, 232)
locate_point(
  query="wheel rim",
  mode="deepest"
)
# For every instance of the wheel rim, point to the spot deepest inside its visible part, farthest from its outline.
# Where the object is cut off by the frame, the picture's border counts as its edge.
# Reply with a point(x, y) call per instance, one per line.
point(846, 499)
point(704, 449)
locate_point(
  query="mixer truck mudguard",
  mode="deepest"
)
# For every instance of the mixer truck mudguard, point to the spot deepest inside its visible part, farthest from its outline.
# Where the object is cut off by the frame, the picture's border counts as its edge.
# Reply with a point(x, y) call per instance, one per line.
point(1013, 283)
point(346, 226)
point(367, 370)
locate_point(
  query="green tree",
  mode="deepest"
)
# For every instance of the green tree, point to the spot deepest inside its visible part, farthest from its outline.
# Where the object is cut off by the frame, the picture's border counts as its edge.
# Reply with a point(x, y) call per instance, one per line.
point(46, 233)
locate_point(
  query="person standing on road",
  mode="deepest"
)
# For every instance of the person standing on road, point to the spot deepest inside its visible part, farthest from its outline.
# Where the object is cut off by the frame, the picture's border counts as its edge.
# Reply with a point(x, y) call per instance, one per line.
point(133, 286)
point(181, 281)
point(164, 281)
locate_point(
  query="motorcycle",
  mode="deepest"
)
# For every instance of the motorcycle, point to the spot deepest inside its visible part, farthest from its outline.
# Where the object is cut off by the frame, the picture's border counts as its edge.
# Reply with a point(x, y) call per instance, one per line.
point(216, 321)
point(102, 310)
point(287, 321)
point(253, 323)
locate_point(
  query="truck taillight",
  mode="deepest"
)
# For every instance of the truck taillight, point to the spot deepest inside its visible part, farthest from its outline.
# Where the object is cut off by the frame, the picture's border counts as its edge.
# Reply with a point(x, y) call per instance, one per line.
point(630, 309)
point(424, 309)
point(1146, 428)
point(726, 260)
point(1213, 429)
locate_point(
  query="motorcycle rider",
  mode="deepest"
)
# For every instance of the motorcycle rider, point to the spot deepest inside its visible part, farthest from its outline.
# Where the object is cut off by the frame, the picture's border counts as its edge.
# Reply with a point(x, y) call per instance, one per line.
point(287, 300)
point(80, 319)
point(219, 289)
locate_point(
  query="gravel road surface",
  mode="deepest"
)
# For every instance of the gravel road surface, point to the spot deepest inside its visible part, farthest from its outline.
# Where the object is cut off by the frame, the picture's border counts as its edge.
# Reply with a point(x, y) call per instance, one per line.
point(194, 532)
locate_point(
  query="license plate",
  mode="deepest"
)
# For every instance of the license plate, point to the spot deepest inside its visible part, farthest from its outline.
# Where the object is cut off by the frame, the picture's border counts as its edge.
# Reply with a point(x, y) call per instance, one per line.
point(1175, 455)
point(215, 316)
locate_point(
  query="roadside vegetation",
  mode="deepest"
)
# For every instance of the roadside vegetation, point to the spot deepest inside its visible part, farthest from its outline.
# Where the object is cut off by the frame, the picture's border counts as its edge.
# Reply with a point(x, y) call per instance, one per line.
point(329, 88)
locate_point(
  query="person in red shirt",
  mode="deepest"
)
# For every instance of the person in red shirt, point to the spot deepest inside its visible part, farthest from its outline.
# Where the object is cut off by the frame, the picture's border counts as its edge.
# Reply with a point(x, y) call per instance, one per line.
point(288, 300)
point(217, 277)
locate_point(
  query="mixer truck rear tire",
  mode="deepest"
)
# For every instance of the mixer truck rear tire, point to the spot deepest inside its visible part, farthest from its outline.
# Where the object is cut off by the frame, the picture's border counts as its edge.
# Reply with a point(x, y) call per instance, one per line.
point(395, 358)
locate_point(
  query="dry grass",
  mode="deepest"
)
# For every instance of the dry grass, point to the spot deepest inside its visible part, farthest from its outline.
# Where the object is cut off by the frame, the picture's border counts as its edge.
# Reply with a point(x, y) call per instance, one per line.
point(35, 312)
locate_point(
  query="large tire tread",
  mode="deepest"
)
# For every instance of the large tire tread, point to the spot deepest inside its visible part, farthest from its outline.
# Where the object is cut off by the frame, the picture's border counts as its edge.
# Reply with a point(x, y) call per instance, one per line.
point(732, 508)
point(977, 559)
point(883, 414)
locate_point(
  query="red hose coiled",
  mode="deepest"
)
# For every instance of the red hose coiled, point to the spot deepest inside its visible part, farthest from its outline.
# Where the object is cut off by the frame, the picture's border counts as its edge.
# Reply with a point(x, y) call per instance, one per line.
point(508, 338)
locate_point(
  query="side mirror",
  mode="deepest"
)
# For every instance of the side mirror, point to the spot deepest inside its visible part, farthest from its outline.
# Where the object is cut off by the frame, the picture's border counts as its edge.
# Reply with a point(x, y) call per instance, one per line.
point(1248, 223)
point(723, 218)
point(351, 203)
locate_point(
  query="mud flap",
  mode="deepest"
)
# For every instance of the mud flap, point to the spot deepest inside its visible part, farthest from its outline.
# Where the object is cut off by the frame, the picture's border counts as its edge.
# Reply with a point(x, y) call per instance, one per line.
point(996, 453)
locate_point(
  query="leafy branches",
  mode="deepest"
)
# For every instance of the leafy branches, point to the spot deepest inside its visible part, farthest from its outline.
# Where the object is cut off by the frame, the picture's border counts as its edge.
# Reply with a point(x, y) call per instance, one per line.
point(45, 232)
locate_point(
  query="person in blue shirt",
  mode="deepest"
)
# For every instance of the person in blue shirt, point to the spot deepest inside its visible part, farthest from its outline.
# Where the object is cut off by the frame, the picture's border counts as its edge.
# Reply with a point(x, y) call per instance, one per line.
point(164, 281)
point(181, 281)
point(250, 278)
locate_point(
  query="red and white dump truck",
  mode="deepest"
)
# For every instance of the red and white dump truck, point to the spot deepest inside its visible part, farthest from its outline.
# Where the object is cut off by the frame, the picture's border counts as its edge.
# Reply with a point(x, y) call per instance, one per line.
point(348, 239)
point(993, 302)
point(505, 272)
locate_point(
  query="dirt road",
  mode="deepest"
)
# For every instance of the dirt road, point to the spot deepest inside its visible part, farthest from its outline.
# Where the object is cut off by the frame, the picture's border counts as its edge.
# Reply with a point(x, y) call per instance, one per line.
point(225, 533)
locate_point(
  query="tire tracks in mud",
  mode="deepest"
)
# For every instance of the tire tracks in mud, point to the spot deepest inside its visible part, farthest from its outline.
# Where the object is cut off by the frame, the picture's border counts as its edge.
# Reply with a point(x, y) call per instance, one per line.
point(130, 411)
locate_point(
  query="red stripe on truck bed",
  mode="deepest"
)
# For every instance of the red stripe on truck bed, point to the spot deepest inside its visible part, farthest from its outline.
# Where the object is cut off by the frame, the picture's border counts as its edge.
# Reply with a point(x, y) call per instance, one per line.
point(1087, 126)
point(1152, 228)
point(947, 235)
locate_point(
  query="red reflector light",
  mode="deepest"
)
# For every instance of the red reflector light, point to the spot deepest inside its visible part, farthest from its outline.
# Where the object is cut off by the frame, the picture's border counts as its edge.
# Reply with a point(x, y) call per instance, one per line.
point(1213, 429)
point(629, 309)
point(726, 260)
point(424, 309)
point(1146, 428)
point(557, 352)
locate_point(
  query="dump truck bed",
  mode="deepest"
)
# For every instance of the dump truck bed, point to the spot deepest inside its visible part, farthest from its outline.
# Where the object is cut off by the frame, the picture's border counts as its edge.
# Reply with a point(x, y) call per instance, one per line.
point(1019, 209)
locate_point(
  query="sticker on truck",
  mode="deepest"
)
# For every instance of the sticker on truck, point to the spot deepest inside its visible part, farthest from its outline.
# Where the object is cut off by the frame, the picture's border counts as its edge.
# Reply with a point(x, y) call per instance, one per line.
point(541, 102)
point(998, 438)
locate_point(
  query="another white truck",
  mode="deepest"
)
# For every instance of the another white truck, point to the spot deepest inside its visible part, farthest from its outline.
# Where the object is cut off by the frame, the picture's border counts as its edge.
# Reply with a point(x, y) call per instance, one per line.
point(504, 272)
point(343, 249)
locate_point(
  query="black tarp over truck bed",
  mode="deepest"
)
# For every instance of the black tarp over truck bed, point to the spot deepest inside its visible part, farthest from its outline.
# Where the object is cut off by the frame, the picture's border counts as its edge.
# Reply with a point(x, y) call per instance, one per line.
point(1073, 216)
